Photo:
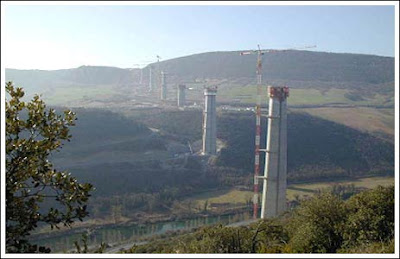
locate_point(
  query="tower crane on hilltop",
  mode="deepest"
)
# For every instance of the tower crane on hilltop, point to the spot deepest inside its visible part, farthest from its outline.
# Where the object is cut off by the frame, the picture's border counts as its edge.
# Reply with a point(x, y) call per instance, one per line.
point(260, 52)
point(158, 73)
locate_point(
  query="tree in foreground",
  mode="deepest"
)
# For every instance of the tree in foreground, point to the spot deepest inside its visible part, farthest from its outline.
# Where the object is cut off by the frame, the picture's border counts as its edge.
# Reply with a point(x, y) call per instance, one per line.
point(370, 218)
point(327, 224)
point(32, 134)
point(316, 225)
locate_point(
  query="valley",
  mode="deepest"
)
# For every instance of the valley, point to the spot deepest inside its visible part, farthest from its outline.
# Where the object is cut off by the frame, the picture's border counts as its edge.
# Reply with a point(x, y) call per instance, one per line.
point(143, 155)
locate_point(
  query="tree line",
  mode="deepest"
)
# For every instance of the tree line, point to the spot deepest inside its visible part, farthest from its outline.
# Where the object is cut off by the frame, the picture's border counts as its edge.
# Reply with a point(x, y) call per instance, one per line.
point(326, 223)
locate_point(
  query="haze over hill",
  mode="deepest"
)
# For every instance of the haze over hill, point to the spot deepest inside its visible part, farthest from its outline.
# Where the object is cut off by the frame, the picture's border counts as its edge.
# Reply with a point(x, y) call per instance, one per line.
point(299, 69)
point(41, 81)
point(291, 66)
point(316, 79)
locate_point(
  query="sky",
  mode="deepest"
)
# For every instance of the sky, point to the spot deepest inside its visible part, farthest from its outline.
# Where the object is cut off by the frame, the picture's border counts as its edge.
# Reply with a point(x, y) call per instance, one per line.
point(66, 36)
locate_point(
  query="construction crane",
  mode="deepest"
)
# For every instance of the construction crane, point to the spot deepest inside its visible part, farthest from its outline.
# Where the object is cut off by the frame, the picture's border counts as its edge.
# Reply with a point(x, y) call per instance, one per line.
point(146, 63)
point(158, 72)
point(260, 52)
point(141, 66)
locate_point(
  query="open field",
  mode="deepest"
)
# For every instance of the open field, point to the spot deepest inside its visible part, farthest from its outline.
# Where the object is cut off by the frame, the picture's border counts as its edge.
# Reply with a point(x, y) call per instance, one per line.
point(316, 97)
point(308, 189)
point(367, 119)
point(247, 94)
point(235, 197)
point(232, 196)
point(360, 118)
point(67, 95)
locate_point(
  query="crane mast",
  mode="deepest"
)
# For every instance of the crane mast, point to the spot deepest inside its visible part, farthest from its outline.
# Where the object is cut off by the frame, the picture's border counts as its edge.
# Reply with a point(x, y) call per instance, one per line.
point(260, 53)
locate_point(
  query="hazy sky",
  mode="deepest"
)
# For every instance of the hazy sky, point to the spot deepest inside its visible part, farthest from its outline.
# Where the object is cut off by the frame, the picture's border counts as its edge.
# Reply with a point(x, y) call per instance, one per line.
point(54, 37)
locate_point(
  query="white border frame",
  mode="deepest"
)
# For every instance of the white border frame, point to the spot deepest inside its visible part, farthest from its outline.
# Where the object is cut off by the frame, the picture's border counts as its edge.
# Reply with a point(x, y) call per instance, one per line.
point(206, 3)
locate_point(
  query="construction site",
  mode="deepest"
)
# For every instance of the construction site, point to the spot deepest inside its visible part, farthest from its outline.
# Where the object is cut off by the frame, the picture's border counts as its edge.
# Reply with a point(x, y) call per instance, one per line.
point(200, 128)
point(273, 181)
point(180, 152)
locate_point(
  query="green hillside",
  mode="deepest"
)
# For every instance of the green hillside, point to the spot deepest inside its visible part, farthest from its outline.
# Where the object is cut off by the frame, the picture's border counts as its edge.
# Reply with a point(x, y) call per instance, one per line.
point(127, 161)
point(290, 65)
point(299, 69)
point(317, 148)
point(352, 78)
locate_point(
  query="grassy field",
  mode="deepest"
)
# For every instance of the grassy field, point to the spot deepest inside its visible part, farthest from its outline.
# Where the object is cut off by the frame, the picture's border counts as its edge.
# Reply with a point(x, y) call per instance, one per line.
point(361, 118)
point(63, 96)
point(232, 196)
point(309, 189)
point(247, 94)
point(297, 96)
point(316, 97)
point(366, 119)
point(235, 197)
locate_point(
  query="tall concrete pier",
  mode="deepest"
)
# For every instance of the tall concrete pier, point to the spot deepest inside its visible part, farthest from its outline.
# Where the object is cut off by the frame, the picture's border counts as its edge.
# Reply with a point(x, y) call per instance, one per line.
point(163, 85)
point(210, 121)
point(275, 171)
point(150, 78)
point(181, 95)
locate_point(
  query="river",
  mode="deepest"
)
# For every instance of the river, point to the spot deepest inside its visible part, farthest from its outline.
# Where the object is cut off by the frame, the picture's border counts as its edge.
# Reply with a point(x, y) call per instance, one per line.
point(125, 234)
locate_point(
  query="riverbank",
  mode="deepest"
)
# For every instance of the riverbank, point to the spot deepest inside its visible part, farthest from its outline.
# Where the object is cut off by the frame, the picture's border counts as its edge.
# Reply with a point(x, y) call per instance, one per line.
point(112, 234)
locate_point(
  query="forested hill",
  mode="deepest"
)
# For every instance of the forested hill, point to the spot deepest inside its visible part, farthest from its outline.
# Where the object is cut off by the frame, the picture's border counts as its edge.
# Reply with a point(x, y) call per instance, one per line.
point(288, 65)
point(299, 68)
